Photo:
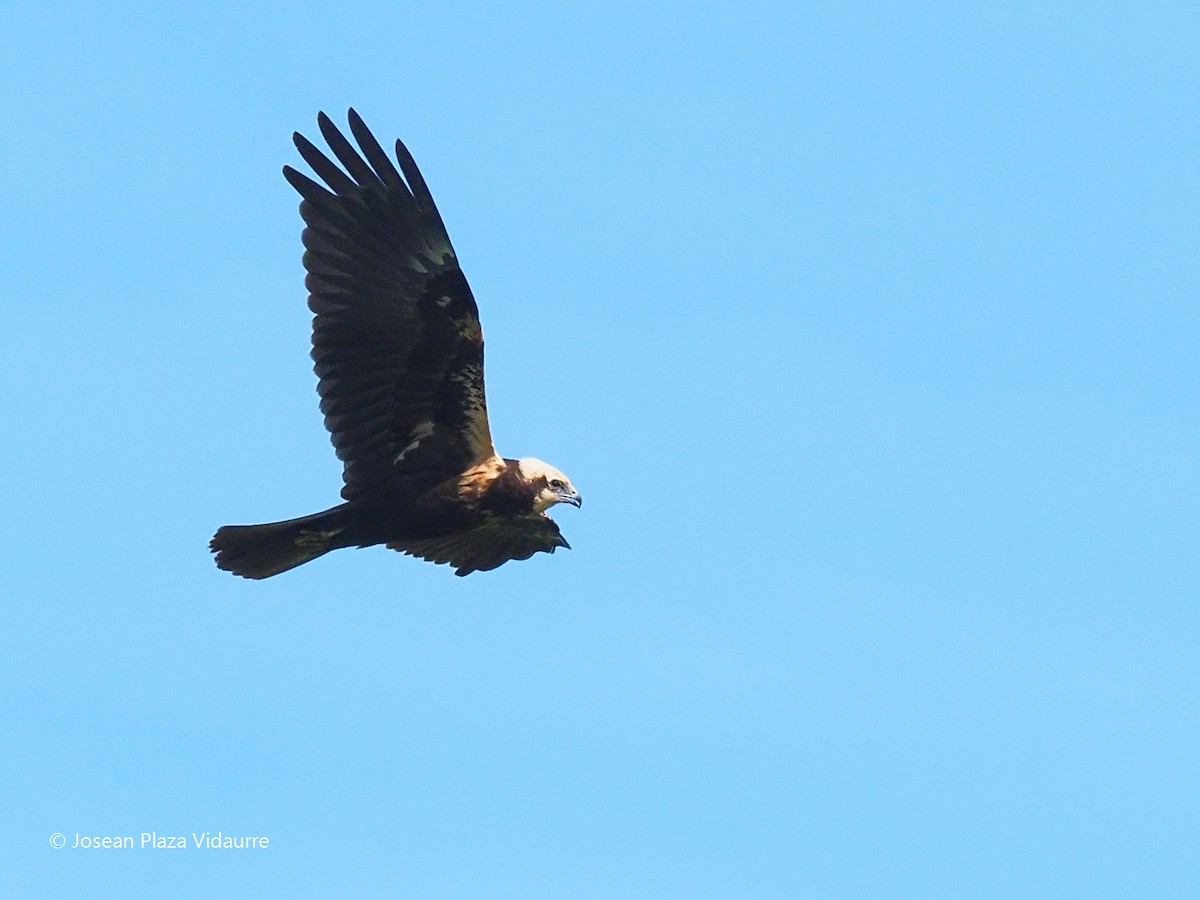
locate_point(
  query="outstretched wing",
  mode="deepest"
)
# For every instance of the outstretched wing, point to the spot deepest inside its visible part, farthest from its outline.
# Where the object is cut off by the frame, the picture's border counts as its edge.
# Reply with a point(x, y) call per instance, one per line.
point(397, 345)
point(490, 544)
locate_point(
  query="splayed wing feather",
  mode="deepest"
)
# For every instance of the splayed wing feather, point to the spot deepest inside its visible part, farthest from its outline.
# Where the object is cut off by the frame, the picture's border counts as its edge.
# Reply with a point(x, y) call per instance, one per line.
point(374, 153)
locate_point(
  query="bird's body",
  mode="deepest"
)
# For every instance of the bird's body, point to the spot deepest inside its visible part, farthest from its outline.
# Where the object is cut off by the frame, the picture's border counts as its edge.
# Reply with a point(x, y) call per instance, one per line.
point(398, 351)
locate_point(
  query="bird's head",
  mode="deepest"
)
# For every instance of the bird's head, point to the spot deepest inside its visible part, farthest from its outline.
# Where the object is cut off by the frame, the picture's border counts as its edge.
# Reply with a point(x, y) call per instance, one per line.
point(552, 486)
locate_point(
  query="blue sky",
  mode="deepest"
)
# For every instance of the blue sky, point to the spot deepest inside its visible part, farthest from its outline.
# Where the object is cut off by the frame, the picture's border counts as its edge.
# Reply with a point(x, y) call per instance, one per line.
point(868, 333)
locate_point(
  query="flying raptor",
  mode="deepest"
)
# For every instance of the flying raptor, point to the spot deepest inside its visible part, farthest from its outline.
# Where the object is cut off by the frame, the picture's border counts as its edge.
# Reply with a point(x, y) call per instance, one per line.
point(398, 353)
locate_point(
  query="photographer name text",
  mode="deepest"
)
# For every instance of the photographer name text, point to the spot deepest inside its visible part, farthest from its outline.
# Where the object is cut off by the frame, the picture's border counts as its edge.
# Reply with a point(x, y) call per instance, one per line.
point(152, 840)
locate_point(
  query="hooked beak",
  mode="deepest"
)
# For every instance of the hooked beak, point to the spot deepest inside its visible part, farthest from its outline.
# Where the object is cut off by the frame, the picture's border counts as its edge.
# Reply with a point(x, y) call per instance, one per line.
point(571, 497)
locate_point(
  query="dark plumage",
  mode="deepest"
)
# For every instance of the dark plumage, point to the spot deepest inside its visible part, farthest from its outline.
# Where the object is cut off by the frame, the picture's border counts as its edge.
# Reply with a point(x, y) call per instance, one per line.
point(398, 352)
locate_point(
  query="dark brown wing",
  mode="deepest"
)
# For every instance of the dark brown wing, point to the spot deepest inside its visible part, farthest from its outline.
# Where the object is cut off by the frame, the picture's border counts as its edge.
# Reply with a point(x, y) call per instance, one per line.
point(490, 544)
point(397, 346)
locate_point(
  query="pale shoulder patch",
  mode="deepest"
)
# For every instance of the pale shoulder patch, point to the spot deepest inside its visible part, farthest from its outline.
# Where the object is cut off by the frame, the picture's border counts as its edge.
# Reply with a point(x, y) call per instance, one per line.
point(476, 479)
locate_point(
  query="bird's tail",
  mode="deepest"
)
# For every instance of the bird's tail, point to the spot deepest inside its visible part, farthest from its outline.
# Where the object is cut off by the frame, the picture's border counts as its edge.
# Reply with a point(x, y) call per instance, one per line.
point(260, 551)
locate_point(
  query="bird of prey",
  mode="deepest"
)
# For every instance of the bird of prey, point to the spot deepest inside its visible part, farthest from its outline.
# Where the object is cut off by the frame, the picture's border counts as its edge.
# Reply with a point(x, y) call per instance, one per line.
point(398, 353)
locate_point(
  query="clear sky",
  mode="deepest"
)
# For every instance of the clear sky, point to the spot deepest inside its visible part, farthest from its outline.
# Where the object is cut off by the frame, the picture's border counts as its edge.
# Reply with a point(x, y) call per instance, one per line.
point(868, 332)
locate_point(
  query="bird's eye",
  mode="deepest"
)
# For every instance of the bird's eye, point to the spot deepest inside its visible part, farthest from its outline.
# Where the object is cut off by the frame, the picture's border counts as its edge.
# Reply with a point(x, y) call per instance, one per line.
point(556, 484)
